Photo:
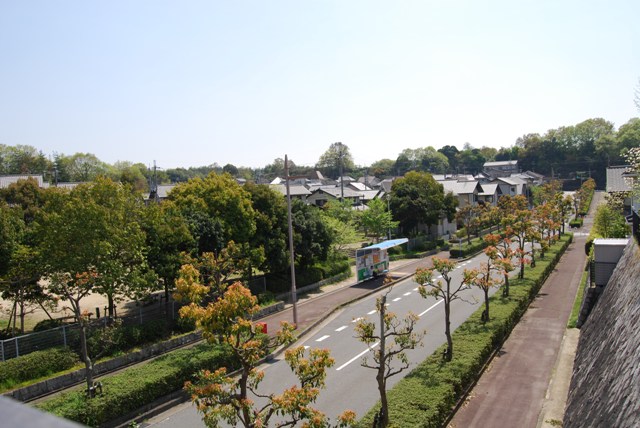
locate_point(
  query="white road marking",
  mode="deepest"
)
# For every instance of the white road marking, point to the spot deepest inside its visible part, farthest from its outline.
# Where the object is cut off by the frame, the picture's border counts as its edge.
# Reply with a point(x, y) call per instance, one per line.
point(408, 293)
point(306, 346)
point(433, 306)
point(415, 289)
point(396, 299)
point(341, 328)
point(372, 312)
point(358, 356)
point(357, 319)
point(320, 339)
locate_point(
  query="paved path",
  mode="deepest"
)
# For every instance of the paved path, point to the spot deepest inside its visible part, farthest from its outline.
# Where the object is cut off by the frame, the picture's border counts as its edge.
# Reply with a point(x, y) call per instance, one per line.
point(526, 384)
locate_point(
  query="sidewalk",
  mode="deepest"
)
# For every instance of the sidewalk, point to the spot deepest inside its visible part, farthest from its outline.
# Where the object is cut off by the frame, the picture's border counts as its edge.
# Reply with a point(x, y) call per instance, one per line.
point(527, 383)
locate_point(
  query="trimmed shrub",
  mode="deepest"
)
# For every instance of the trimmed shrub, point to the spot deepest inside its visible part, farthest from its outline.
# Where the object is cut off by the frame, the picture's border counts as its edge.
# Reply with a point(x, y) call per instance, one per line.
point(35, 365)
point(576, 222)
point(137, 386)
point(47, 324)
point(477, 244)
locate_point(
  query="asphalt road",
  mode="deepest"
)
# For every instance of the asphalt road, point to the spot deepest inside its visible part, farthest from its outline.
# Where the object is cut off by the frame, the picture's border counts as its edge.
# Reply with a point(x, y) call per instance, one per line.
point(348, 384)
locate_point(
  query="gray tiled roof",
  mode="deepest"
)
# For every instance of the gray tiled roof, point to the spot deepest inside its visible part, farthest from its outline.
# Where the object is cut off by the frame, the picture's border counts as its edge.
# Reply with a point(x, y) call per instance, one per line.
point(615, 179)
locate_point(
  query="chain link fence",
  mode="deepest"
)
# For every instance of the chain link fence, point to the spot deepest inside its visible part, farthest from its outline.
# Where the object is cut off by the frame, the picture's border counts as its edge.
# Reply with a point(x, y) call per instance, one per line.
point(68, 335)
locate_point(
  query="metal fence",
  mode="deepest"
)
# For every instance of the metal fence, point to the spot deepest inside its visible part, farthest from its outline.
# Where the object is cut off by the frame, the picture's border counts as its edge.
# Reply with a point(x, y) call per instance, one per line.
point(68, 335)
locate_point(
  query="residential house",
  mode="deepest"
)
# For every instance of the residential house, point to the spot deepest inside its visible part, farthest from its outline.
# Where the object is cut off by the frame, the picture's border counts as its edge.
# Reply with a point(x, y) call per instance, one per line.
point(466, 191)
point(489, 194)
point(620, 179)
point(321, 195)
point(296, 191)
point(370, 181)
point(7, 180)
point(500, 168)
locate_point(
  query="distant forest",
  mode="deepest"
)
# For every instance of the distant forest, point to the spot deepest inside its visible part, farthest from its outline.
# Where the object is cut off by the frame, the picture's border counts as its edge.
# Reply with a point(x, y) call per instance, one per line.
point(570, 152)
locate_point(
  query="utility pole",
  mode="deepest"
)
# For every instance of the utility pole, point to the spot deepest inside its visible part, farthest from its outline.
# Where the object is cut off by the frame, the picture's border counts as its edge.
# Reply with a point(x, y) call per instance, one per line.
point(341, 156)
point(291, 253)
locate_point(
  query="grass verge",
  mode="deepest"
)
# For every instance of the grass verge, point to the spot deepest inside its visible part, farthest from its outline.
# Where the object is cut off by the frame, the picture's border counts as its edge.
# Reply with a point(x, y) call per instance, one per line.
point(133, 388)
point(577, 303)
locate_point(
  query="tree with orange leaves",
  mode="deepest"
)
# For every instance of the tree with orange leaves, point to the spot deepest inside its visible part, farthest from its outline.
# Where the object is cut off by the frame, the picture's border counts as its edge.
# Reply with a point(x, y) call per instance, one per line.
point(445, 290)
point(227, 320)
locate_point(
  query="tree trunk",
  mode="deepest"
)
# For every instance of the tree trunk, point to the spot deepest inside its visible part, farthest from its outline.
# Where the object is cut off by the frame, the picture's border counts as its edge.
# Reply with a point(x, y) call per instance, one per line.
point(486, 304)
point(85, 353)
point(533, 254)
point(505, 290)
point(21, 316)
point(447, 330)
point(166, 290)
point(246, 416)
point(383, 421)
point(110, 303)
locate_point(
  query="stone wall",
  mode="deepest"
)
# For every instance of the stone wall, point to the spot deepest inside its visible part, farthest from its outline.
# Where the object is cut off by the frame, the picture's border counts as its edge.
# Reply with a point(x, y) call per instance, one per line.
point(605, 388)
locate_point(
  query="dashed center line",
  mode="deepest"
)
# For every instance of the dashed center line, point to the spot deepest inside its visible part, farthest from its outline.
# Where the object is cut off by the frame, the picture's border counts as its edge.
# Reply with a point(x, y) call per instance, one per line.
point(431, 307)
point(408, 293)
point(357, 319)
point(396, 299)
point(358, 356)
point(372, 312)
point(320, 339)
point(341, 328)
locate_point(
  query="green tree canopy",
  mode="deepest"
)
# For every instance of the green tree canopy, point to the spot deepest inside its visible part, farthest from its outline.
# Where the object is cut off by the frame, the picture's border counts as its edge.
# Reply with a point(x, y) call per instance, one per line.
point(336, 156)
point(417, 199)
point(271, 226)
point(218, 198)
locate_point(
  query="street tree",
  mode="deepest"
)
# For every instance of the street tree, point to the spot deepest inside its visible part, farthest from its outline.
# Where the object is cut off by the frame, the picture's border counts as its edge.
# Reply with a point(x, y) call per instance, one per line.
point(484, 278)
point(517, 222)
point(388, 345)
point(442, 289)
point(377, 221)
point(227, 320)
point(502, 255)
point(470, 216)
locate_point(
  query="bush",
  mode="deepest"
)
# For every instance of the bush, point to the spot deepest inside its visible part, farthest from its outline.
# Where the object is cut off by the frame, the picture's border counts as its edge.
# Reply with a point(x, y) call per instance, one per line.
point(428, 394)
point(35, 365)
point(111, 340)
point(137, 386)
point(576, 222)
point(47, 324)
point(477, 244)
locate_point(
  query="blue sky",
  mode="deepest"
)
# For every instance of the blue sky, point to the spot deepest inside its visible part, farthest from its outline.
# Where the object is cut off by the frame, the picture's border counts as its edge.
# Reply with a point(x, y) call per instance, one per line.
point(190, 83)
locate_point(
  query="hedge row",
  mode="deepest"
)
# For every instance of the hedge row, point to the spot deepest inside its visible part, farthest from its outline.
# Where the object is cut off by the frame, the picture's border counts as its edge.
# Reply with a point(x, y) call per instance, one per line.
point(35, 365)
point(576, 222)
point(310, 275)
point(137, 386)
point(426, 397)
point(477, 244)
